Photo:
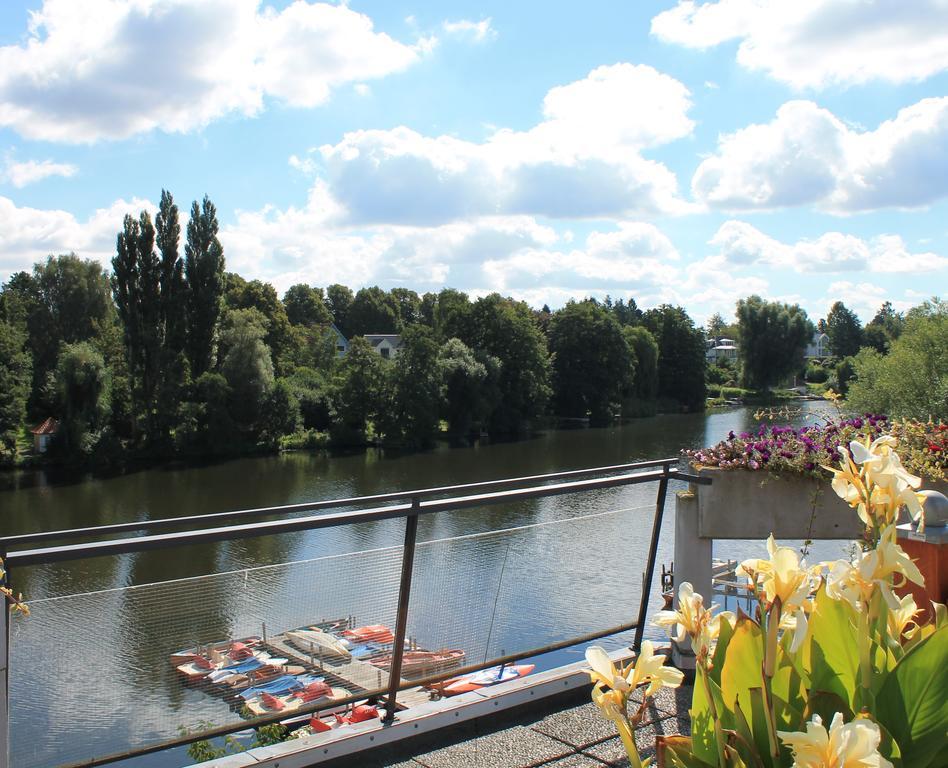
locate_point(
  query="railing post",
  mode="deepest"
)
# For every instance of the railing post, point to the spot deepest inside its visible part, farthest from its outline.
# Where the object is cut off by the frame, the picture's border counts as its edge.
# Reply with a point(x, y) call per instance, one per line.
point(652, 554)
point(4, 672)
point(404, 597)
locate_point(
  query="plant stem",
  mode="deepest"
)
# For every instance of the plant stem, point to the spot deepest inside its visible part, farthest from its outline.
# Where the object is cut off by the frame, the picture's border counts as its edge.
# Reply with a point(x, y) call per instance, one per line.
point(718, 733)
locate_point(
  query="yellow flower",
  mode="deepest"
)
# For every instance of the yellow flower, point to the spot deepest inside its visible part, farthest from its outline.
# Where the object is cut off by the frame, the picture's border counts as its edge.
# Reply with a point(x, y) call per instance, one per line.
point(604, 672)
point(783, 576)
point(901, 616)
point(650, 668)
point(687, 619)
point(855, 582)
point(846, 745)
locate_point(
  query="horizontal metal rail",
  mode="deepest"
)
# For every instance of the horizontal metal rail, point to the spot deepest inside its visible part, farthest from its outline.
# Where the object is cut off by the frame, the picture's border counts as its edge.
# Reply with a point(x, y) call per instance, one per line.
point(311, 709)
point(312, 506)
point(266, 528)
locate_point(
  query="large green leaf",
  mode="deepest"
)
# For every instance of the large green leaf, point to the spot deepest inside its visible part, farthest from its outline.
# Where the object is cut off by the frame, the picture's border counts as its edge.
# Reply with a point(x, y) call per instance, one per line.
point(717, 660)
point(676, 752)
point(834, 648)
point(702, 723)
point(743, 660)
point(913, 703)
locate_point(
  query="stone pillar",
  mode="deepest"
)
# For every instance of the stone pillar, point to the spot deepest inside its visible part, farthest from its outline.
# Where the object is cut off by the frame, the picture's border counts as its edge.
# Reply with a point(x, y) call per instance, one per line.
point(692, 564)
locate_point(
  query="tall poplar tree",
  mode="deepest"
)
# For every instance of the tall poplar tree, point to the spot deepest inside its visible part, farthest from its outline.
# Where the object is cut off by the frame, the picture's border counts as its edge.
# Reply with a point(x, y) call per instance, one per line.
point(204, 277)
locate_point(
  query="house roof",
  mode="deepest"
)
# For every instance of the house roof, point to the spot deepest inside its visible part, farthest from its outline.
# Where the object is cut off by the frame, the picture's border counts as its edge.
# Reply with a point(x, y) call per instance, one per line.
point(377, 338)
point(48, 427)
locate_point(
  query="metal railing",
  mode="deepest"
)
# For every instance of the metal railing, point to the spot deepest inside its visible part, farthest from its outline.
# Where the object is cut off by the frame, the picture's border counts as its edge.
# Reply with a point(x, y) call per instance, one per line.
point(20, 550)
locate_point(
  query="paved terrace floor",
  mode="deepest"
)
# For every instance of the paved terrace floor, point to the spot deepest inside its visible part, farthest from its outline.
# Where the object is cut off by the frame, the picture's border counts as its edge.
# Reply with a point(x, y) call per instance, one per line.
point(568, 732)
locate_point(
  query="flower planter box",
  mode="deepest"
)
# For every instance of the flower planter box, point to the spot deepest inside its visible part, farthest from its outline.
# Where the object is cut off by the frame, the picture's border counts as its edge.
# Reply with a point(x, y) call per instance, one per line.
point(741, 504)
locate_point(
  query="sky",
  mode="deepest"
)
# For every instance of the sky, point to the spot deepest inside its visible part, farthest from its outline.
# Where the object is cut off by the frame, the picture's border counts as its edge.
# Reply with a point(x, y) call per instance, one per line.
point(684, 152)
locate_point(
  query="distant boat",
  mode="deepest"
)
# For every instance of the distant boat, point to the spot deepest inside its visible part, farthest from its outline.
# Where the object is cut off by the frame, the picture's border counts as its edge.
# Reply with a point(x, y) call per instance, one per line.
point(227, 646)
point(282, 685)
point(224, 674)
point(421, 663)
point(315, 642)
point(265, 673)
point(484, 678)
point(316, 692)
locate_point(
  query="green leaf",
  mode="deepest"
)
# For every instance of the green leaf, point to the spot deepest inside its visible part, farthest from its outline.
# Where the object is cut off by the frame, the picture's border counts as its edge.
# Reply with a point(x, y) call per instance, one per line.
point(717, 660)
point(676, 752)
point(834, 648)
point(913, 703)
point(702, 723)
point(759, 725)
point(825, 704)
point(743, 660)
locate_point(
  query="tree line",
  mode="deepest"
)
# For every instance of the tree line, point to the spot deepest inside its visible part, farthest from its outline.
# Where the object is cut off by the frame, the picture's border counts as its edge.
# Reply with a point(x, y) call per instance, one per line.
point(169, 354)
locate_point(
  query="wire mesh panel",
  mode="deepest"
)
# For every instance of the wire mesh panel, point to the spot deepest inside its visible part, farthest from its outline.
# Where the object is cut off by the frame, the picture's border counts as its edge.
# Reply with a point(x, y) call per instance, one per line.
point(513, 590)
point(109, 671)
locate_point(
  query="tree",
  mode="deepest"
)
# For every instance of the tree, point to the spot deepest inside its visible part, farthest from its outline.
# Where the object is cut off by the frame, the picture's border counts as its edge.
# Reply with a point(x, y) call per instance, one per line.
point(65, 300)
point(358, 390)
point(773, 339)
point(16, 367)
point(407, 306)
point(844, 330)
point(339, 301)
point(592, 364)
point(82, 383)
point(247, 366)
point(464, 378)
point(372, 312)
point(280, 414)
point(644, 348)
point(314, 394)
point(504, 329)
point(136, 289)
point(204, 277)
point(305, 305)
point(912, 380)
point(681, 356)
point(884, 328)
point(627, 314)
point(414, 411)
point(255, 294)
point(452, 315)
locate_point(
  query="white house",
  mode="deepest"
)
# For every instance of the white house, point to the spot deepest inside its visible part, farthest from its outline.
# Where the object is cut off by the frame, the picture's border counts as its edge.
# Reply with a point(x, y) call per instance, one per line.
point(819, 346)
point(387, 345)
point(721, 349)
point(341, 342)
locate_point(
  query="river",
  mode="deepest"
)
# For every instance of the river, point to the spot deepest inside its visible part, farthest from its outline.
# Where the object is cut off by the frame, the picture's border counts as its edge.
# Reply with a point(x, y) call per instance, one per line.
point(89, 670)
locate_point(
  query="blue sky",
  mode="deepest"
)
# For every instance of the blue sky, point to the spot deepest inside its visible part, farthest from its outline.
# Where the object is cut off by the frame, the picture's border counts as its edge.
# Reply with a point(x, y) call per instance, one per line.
point(680, 152)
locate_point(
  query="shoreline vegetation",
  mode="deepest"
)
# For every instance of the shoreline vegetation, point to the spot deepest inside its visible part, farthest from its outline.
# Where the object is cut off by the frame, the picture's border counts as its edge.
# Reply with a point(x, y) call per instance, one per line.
point(169, 357)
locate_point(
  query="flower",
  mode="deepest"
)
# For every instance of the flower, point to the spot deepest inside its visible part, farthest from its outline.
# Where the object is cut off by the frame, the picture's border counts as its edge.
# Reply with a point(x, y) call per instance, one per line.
point(649, 668)
point(855, 582)
point(686, 620)
point(783, 576)
point(901, 616)
point(846, 745)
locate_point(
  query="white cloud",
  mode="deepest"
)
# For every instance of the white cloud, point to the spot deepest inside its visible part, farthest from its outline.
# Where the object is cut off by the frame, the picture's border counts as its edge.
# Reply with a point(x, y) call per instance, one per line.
point(806, 155)
point(818, 43)
point(583, 160)
point(28, 235)
point(476, 31)
point(109, 69)
point(31, 171)
point(742, 245)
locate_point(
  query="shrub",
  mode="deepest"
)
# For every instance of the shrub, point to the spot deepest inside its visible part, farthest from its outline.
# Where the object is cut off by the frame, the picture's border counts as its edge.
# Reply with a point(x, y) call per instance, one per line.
point(816, 373)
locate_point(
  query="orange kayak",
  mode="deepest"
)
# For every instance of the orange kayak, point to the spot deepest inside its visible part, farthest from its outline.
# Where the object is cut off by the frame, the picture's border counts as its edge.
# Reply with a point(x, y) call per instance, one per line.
point(373, 633)
point(486, 677)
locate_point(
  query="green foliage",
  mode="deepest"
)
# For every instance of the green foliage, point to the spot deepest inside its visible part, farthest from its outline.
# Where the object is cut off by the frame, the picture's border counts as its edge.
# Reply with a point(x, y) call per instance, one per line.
point(280, 413)
point(372, 311)
point(82, 384)
point(465, 387)
point(681, 356)
point(412, 413)
point(504, 329)
point(912, 380)
point(407, 305)
point(358, 391)
point(204, 277)
point(773, 339)
point(592, 363)
point(339, 301)
point(16, 367)
point(314, 395)
point(845, 373)
point(816, 373)
point(452, 316)
point(844, 330)
point(883, 329)
point(247, 365)
point(306, 306)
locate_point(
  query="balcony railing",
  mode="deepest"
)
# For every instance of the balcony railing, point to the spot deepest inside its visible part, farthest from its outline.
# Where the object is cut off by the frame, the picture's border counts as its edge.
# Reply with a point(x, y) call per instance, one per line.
point(454, 585)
